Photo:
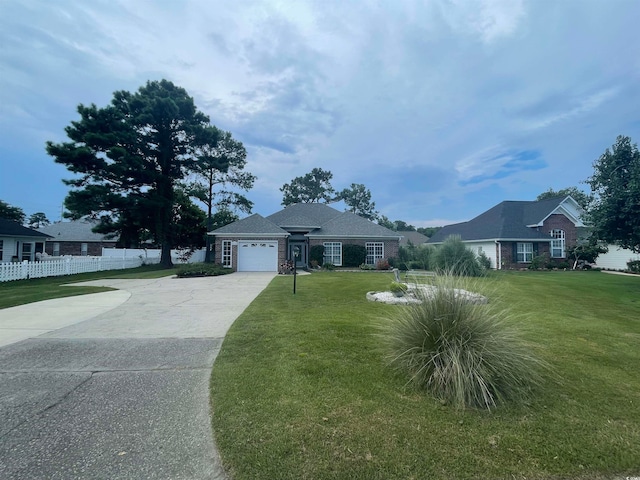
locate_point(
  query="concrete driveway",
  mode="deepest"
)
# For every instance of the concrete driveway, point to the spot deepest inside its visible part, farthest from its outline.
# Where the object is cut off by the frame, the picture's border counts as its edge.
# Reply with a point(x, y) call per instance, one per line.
point(115, 384)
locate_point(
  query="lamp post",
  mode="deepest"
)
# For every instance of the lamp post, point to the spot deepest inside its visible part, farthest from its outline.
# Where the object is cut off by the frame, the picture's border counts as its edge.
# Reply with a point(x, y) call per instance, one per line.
point(296, 254)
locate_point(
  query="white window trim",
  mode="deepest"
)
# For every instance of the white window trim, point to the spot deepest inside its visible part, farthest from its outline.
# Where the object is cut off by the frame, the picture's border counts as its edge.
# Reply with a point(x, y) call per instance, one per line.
point(56, 249)
point(558, 243)
point(524, 251)
point(333, 255)
point(226, 258)
point(375, 257)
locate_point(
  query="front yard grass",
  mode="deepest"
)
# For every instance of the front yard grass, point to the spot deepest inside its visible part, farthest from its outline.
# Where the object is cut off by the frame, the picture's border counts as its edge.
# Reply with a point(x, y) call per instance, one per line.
point(300, 390)
point(20, 292)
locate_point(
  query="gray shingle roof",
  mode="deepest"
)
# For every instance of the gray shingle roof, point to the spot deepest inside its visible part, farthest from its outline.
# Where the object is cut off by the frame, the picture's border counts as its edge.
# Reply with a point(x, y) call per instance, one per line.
point(9, 228)
point(347, 224)
point(415, 238)
point(252, 225)
point(309, 215)
point(507, 220)
point(74, 231)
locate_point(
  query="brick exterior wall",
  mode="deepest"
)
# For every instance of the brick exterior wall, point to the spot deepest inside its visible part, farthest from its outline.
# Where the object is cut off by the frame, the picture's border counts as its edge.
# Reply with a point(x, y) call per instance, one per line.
point(390, 246)
point(94, 249)
point(561, 222)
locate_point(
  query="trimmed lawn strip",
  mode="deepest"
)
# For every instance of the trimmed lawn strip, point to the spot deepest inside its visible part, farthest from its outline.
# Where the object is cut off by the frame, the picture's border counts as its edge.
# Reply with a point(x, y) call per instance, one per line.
point(300, 389)
point(20, 292)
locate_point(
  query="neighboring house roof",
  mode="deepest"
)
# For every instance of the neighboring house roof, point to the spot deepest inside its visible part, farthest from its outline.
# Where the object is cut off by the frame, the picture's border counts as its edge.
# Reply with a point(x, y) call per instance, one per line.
point(74, 231)
point(416, 238)
point(348, 224)
point(251, 226)
point(512, 220)
point(304, 215)
point(314, 219)
point(9, 228)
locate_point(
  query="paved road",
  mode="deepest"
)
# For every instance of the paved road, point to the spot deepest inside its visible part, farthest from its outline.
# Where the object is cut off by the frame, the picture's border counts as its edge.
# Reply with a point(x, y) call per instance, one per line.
point(115, 384)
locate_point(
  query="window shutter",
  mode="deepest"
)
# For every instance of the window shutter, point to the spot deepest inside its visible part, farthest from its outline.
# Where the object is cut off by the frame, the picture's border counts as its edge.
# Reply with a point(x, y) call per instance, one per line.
point(515, 252)
point(535, 249)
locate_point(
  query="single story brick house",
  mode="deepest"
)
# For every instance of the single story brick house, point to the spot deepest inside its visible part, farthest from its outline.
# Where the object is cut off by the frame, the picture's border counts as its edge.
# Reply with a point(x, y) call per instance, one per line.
point(75, 237)
point(512, 233)
point(259, 243)
point(19, 243)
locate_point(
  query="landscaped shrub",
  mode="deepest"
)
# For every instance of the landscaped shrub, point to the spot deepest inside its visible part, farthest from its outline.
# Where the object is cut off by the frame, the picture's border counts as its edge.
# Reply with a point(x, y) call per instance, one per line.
point(484, 261)
point(328, 266)
point(316, 253)
point(202, 270)
point(634, 266)
point(453, 257)
point(382, 264)
point(353, 255)
point(463, 353)
point(538, 262)
point(415, 257)
point(398, 289)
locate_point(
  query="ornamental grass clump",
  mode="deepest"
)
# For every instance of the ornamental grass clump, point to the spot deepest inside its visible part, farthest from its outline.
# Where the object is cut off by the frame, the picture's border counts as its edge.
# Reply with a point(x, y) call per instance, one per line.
point(463, 353)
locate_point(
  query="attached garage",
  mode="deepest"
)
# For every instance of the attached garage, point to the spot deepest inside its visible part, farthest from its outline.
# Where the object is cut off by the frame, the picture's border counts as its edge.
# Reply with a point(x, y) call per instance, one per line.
point(258, 256)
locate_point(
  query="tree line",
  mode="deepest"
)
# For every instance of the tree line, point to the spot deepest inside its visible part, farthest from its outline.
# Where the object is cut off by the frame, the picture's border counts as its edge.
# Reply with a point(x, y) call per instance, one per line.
point(139, 165)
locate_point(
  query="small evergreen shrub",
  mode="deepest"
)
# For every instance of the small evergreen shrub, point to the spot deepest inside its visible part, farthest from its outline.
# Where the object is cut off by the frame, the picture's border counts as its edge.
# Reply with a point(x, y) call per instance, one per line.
point(538, 262)
point(353, 255)
point(202, 270)
point(316, 253)
point(328, 266)
point(453, 257)
point(463, 353)
point(484, 261)
point(634, 266)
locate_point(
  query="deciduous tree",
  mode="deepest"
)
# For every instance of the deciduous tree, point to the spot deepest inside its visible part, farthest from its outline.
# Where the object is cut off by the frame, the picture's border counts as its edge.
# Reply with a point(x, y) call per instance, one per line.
point(128, 158)
point(578, 195)
point(614, 211)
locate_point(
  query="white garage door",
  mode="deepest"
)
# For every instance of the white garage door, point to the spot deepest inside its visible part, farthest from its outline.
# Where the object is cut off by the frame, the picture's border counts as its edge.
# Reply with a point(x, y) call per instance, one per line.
point(258, 256)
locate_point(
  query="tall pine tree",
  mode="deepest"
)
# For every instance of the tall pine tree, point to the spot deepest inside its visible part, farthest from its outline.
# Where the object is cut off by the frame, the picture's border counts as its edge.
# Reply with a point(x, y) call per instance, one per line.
point(128, 158)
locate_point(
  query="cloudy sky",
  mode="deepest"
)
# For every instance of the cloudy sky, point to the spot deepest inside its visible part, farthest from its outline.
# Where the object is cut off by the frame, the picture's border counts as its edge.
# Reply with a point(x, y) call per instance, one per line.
point(442, 108)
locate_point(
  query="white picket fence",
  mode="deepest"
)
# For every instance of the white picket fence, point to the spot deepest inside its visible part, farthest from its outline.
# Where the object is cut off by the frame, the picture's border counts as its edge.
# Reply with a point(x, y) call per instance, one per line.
point(68, 266)
point(177, 256)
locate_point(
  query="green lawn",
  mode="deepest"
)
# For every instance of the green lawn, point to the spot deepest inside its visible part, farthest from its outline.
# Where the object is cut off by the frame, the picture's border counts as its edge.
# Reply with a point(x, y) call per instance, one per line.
point(20, 292)
point(300, 390)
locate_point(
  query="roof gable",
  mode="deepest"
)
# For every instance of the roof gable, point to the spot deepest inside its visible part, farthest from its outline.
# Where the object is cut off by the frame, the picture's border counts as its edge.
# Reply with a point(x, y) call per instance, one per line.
point(252, 225)
point(512, 220)
point(9, 228)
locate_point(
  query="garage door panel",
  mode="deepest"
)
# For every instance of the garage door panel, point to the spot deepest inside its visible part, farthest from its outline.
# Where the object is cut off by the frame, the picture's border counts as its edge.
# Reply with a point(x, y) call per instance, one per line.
point(258, 256)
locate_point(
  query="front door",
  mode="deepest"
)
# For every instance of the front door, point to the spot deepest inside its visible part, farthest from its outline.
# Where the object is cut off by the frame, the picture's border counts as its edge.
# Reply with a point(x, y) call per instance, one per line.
point(303, 253)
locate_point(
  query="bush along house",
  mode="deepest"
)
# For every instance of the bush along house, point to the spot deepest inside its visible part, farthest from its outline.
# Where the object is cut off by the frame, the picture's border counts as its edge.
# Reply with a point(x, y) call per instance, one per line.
point(517, 234)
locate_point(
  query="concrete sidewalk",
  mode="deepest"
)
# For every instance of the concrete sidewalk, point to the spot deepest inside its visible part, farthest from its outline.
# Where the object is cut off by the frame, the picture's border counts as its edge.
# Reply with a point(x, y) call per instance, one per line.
point(116, 384)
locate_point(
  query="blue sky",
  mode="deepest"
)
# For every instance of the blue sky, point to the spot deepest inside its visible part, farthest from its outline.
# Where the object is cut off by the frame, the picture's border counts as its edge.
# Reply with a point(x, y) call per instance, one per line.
point(442, 108)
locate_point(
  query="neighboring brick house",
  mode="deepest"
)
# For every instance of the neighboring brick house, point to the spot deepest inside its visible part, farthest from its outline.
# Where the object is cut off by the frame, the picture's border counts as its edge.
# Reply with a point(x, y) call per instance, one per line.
point(512, 233)
point(413, 238)
point(75, 238)
point(257, 243)
point(19, 243)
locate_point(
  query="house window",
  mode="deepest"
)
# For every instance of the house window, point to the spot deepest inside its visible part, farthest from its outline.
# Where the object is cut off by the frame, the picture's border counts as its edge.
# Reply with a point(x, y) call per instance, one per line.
point(84, 248)
point(56, 249)
point(26, 252)
point(525, 252)
point(333, 253)
point(226, 253)
point(375, 252)
point(557, 244)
